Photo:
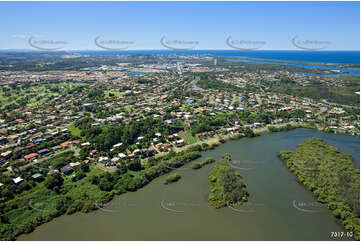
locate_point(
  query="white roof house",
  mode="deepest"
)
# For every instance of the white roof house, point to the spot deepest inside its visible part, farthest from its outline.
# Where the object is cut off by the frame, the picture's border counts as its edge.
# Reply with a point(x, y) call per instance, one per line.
point(103, 159)
point(115, 159)
point(122, 155)
point(117, 145)
point(73, 164)
point(85, 144)
point(18, 180)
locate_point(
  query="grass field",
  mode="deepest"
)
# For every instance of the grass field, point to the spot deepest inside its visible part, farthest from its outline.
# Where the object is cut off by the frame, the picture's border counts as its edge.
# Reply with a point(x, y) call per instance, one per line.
point(189, 139)
point(115, 93)
point(74, 131)
point(35, 95)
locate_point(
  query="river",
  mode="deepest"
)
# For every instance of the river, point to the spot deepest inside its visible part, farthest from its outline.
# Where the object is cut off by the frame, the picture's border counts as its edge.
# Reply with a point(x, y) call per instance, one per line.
point(312, 66)
point(278, 209)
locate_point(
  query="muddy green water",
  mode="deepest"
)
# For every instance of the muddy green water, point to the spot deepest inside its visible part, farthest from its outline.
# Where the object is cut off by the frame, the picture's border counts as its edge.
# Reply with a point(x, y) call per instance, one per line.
point(278, 208)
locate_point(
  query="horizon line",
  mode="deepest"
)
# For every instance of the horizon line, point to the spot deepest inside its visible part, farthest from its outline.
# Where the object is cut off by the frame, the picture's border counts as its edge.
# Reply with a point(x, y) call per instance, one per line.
point(63, 50)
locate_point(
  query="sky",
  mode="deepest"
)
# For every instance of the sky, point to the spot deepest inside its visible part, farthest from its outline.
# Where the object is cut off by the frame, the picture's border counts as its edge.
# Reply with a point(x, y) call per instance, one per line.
point(197, 25)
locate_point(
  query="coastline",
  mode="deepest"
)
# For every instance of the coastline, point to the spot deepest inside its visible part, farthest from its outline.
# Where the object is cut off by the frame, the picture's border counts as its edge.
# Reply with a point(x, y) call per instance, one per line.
point(327, 64)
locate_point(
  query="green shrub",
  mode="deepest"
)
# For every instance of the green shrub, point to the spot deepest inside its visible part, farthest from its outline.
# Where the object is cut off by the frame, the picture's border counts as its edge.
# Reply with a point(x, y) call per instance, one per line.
point(172, 178)
point(75, 207)
point(196, 165)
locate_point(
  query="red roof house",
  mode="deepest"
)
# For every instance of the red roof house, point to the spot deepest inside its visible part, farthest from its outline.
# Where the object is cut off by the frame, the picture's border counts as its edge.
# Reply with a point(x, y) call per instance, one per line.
point(31, 156)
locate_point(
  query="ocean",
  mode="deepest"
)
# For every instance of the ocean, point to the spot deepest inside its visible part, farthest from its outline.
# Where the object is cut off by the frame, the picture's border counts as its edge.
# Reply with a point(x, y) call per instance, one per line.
point(336, 57)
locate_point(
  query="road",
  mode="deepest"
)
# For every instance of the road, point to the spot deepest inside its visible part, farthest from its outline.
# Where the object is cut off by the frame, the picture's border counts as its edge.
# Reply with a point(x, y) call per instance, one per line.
point(258, 99)
point(341, 105)
point(195, 87)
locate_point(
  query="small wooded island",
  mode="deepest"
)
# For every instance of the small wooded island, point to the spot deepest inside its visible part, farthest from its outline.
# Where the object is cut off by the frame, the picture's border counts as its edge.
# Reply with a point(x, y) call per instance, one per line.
point(331, 176)
point(227, 186)
point(172, 178)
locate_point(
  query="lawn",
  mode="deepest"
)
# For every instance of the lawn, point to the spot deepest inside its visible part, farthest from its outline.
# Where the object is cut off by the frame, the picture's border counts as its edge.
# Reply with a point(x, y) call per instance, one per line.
point(189, 139)
point(74, 131)
point(115, 93)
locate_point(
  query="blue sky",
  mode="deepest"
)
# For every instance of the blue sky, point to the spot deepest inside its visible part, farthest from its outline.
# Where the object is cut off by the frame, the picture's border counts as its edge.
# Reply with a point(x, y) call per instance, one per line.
point(143, 24)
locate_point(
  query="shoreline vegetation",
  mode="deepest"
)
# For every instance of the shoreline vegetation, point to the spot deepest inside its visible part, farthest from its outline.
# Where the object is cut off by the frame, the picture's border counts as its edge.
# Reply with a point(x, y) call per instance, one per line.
point(39, 205)
point(172, 178)
point(331, 176)
point(213, 142)
point(58, 196)
point(199, 165)
point(226, 185)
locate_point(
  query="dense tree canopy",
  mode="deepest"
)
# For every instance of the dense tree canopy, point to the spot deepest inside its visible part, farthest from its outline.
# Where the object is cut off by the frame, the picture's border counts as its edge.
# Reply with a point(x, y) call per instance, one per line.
point(54, 181)
point(331, 176)
point(227, 186)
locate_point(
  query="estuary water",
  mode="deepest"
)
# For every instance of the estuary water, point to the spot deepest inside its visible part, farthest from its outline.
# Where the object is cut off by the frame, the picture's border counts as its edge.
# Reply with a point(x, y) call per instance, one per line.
point(323, 56)
point(279, 208)
point(322, 67)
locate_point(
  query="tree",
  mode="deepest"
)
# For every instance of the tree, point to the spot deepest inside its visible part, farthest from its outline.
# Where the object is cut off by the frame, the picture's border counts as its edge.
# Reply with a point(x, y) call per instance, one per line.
point(105, 185)
point(4, 219)
point(249, 133)
point(7, 194)
point(122, 168)
point(54, 181)
point(135, 165)
point(84, 167)
point(196, 165)
point(78, 176)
